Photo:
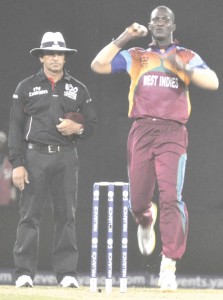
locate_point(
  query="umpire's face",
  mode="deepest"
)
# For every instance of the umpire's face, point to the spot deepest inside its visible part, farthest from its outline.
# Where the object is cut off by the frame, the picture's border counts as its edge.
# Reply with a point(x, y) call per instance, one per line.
point(162, 24)
point(53, 61)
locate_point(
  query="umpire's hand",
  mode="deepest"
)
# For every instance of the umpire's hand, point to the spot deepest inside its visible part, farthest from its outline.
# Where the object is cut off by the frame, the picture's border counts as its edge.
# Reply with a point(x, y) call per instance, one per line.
point(68, 127)
point(20, 177)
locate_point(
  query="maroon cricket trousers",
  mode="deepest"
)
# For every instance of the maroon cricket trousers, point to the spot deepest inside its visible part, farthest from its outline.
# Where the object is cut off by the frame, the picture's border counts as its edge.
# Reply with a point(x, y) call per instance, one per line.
point(157, 153)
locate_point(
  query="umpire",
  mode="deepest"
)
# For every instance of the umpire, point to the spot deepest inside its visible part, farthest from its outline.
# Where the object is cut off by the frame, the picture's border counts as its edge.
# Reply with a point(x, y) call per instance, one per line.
point(42, 150)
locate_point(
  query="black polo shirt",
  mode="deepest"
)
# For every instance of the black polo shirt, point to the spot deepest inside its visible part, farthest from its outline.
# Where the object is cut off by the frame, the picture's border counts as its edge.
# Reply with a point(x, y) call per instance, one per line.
point(37, 106)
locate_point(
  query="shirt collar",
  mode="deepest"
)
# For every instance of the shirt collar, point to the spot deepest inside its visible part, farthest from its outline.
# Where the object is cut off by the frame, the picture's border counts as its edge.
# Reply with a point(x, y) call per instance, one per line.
point(42, 75)
point(174, 43)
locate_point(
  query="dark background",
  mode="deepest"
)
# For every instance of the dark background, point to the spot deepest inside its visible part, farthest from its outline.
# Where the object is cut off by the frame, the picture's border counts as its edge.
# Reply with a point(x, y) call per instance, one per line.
point(88, 25)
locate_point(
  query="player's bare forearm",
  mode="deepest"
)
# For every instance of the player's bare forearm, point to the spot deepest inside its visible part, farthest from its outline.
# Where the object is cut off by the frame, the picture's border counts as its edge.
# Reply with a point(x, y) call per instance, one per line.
point(205, 78)
point(102, 61)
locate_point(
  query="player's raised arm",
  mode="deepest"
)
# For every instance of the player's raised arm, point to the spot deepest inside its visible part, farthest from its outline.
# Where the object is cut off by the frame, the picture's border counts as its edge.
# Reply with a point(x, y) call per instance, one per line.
point(102, 61)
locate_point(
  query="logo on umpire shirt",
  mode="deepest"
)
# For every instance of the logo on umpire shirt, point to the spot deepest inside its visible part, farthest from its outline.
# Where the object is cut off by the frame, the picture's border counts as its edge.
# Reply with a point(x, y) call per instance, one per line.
point(37, 91)
point(70, 91)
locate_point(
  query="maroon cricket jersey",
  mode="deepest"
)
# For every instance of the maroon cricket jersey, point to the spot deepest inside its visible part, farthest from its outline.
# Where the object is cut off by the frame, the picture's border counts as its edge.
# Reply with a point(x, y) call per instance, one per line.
point(157, 89)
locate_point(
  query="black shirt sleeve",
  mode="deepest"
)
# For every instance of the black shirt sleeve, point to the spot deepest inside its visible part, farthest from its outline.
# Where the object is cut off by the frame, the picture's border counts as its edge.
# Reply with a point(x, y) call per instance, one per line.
point(89, 112)
point(16, 124)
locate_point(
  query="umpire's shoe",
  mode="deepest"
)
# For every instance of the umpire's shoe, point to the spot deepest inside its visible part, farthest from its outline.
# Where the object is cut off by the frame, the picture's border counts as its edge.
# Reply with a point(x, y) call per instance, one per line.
point(69, 281)
point(24, 281)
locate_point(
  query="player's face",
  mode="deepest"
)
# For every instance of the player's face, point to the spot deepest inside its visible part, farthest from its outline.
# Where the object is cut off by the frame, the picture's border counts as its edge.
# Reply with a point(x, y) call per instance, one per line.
point(53, 61)
point(162, 24)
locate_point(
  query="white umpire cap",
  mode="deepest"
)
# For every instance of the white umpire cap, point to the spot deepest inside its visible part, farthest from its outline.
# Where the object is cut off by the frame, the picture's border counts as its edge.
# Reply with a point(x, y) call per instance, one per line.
point(52, 41)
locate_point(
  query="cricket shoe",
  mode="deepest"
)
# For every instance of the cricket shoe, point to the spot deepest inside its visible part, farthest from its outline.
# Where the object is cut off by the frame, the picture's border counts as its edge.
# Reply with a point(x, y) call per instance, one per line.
point(69, 281)
point(146, 235)
point(167, 278)
point(24, 281)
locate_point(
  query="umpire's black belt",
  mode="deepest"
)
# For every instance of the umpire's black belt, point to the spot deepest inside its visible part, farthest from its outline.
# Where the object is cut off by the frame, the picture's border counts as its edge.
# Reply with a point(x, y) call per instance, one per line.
point(49, 148)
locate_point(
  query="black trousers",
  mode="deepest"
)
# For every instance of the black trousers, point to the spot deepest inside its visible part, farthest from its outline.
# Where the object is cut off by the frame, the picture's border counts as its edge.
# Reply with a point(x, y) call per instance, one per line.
point(57, 174)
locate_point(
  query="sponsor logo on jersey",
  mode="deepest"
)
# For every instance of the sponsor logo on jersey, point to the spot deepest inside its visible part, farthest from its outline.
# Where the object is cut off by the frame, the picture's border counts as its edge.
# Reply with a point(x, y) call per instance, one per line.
point(70, 91)
point(37, 91)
